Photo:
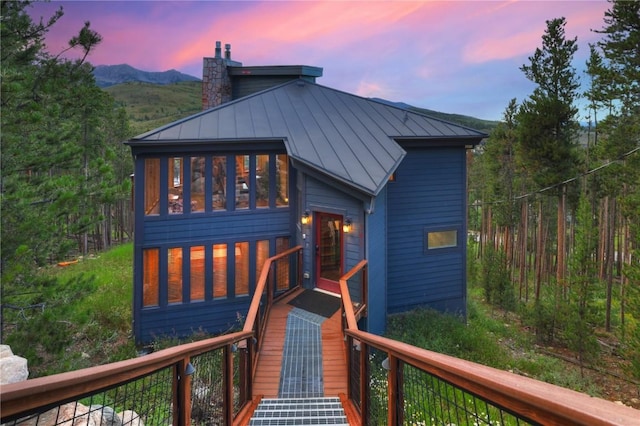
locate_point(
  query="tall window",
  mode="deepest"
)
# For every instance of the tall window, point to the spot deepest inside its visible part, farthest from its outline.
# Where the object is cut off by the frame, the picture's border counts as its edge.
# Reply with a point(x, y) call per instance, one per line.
point(175, 181)
point(219, 172)
point(196, 277)
point(242, 269)
point(262, 254)
point(282, 180)
point(174, 276)
point(283, 278)
point(197, 184)
point(262, 181)
point(242, 182)
point(150, 277)
point(151, 186)
point(219, 270)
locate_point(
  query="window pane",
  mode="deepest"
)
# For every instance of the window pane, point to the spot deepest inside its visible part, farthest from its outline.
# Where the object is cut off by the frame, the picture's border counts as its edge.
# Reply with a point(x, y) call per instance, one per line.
point(219, 270)
point(262, 254)
point(150, 274)
point(197, 184)
point(197, 273)
point(262, 181)
point(174, 278)
point(282, 180)
point(442, 239)
point(242, 269)
point(152, 186)
point(219, 198)
point(282, 265)
point(175, 185)
point(242, 181)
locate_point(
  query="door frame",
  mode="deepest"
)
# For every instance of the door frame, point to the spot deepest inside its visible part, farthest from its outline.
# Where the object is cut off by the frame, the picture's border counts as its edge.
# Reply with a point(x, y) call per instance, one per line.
point(324, 276)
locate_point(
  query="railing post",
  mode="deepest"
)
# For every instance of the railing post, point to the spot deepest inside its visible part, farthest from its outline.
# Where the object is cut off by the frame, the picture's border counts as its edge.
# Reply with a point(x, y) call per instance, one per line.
point(182, 394)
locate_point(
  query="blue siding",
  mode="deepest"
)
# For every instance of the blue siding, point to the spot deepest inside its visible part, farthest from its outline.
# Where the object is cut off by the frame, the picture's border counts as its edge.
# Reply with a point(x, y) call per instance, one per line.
point(376, 238)
point(429, 194)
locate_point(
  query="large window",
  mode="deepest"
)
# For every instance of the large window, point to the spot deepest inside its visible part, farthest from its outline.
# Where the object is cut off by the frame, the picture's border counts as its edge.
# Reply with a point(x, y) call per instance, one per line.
point(150, 278)
point(242, 269)
point(197, 184)
point(219, 271)
point(197, 273)
point(219, 178)
point(258, 181)
point(174, 278)
point(152, 186)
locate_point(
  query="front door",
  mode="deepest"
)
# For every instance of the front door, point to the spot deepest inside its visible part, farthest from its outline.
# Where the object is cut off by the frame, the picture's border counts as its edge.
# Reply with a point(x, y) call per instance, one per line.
point(328, 251)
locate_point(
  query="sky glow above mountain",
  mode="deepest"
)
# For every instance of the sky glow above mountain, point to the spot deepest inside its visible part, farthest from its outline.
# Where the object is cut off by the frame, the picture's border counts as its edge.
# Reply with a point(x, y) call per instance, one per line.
point(458, 57)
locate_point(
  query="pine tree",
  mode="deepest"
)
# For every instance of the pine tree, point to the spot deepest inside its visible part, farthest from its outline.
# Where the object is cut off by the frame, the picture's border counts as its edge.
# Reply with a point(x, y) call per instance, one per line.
point(547, 130)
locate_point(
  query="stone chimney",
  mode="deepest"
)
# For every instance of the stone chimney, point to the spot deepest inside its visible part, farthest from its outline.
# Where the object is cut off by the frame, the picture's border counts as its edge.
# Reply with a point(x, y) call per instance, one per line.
point(216, 82)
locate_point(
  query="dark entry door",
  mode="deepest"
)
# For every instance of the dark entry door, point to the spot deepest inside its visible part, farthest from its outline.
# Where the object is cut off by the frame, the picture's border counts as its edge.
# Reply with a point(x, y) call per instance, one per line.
point(328, 251)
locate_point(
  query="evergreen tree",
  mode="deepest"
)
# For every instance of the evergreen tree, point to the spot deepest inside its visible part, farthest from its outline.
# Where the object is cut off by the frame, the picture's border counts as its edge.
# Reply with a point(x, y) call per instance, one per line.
point(548, 122)
point(56, 163)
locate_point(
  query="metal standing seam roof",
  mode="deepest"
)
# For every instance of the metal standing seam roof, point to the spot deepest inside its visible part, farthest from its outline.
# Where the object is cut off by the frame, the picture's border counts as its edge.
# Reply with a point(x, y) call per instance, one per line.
point(348, 137)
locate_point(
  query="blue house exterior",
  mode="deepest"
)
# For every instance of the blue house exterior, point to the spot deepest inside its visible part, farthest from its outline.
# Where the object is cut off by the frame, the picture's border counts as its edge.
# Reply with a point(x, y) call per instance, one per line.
point(219, 192)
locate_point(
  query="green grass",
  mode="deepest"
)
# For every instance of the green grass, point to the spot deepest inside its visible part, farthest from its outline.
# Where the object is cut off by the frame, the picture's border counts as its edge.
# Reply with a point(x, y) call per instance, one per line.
point(86, 319)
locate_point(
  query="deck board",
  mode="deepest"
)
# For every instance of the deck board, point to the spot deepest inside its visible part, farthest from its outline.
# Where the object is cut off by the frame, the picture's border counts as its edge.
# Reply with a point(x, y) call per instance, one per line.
point(334, 369)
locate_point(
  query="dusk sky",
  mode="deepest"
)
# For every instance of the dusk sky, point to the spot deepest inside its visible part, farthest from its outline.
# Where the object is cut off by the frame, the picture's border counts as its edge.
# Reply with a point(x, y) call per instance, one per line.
point(458, 57)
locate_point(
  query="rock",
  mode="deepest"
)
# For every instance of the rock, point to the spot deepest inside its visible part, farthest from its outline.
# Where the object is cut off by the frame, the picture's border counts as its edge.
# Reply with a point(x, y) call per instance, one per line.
point(130, 418)
point(105, 416)
point(5, 351)
point(71, 414)
point(13, 368)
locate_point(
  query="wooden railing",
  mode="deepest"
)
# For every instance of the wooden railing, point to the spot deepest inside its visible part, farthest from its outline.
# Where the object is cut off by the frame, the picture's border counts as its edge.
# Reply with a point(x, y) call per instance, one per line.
point(206, 382)
point(395, 383)
point(267, 289)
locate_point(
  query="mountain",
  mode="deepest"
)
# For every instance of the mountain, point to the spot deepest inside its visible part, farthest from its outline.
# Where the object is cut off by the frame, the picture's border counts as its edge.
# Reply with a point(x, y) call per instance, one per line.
point(463, 120)
point(110, 75)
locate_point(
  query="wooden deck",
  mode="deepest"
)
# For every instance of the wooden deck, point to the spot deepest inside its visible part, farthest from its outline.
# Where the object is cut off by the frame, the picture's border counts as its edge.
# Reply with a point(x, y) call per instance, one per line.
point(334, 366)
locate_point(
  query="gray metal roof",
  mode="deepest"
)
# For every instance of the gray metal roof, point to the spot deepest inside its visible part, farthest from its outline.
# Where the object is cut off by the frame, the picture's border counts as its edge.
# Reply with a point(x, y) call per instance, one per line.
point(345, 136)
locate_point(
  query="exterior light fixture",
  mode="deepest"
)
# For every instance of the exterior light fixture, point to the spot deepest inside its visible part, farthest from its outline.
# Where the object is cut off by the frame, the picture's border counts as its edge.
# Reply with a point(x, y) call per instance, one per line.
point(347, 225)
point(306, 218)
point(189, 370)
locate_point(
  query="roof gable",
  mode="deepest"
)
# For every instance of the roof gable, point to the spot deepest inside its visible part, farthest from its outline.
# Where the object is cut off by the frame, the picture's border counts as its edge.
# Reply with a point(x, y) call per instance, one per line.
point(347, 137)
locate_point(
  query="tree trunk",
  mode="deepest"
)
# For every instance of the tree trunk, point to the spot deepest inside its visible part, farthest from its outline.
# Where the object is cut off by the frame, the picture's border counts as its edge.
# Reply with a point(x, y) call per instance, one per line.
point(560, 269)
point(609, 260)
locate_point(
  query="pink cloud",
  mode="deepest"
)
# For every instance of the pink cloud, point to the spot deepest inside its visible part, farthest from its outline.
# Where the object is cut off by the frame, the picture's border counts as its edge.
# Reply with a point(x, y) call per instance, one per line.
point(515, 29)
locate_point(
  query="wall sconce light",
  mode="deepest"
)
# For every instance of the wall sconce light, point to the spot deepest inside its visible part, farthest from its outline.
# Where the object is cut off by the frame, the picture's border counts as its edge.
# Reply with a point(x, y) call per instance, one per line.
point(347, 225)
point(306, 218)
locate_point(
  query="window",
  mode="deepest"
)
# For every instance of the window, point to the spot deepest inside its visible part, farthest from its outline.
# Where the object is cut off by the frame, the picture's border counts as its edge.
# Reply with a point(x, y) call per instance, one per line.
point(242, 181)
point(197, 184)
point(442, 239)
point(175, 185)
point(219, 270)
point(196, 277)
point(150, 278)
point(262, 181)
point(282, 180)
point(242, 269)
point(219, 176)
point(262, 254)
point(151, 186)
point(174, 276)
point(282, 265)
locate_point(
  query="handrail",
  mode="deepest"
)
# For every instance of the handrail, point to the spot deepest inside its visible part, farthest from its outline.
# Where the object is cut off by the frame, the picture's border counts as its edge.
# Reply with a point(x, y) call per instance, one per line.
point(35, 396)
point(260, 286)
point(526, 398)
point(25, 396)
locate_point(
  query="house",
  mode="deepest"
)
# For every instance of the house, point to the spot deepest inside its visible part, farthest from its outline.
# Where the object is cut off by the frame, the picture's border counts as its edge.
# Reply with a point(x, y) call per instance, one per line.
point(220, 191)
